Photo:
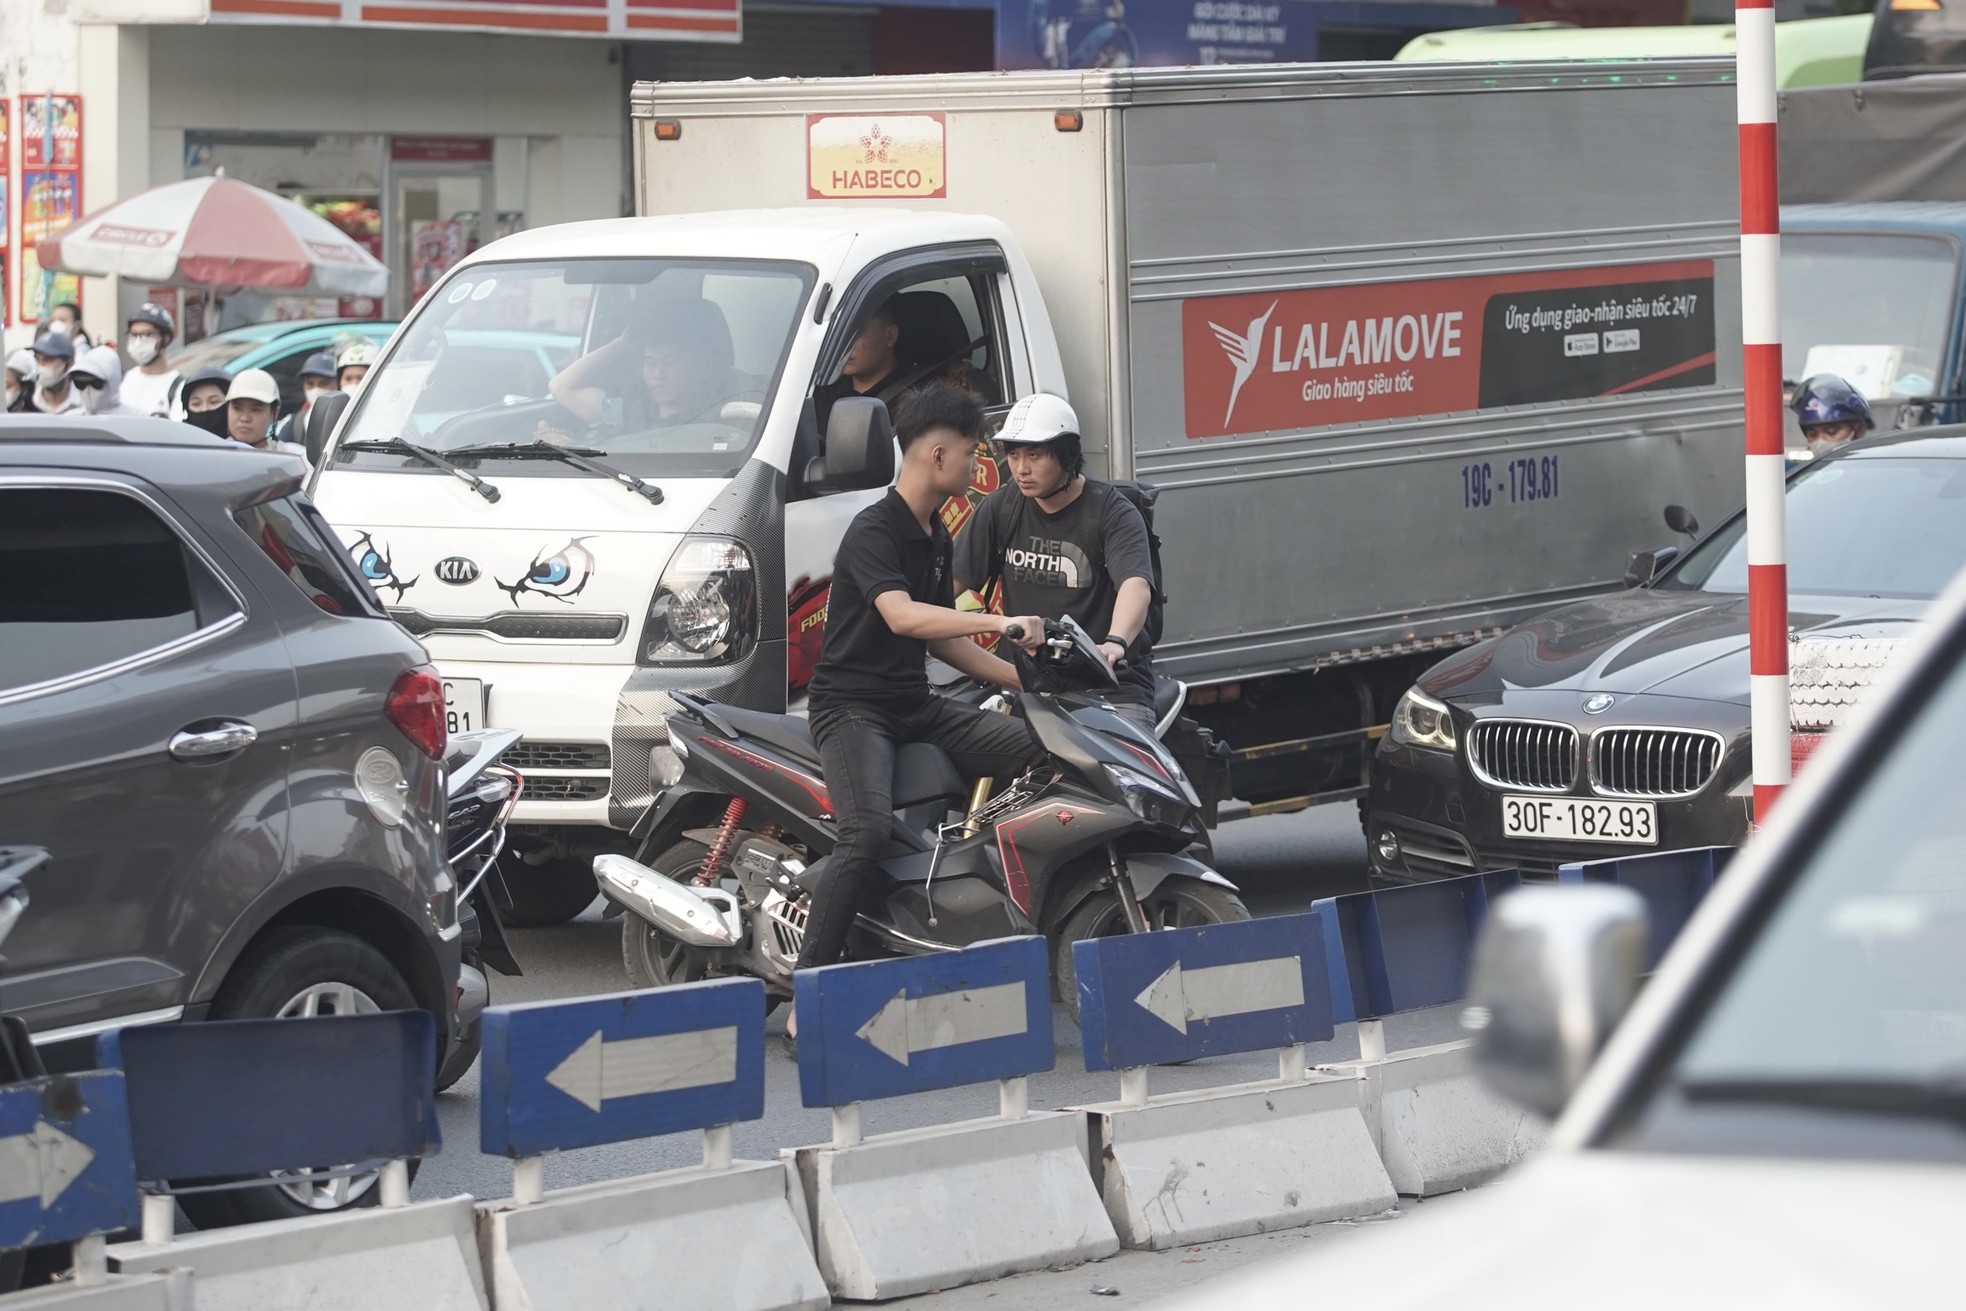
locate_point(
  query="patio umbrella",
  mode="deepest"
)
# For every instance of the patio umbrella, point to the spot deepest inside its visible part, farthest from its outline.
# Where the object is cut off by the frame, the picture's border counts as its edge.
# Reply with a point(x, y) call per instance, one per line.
point(215, 232)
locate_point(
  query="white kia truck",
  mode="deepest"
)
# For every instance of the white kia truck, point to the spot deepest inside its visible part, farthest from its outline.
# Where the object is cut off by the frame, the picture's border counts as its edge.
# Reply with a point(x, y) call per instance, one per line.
point(1410, 352)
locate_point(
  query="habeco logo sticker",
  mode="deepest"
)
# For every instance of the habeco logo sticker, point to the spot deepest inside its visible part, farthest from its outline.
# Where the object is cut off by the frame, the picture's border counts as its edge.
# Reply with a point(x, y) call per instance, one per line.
point(875, 157)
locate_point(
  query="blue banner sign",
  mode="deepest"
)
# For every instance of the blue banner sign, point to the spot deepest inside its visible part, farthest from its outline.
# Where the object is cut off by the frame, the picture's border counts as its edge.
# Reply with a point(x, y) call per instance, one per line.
point(65, 1164)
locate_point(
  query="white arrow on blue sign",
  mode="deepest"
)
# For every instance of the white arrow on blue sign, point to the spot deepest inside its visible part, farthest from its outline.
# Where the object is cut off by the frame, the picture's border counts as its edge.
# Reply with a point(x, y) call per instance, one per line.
point(1151, 998)
point(630, 1065)
point(65, 1163)
point(888, 1027)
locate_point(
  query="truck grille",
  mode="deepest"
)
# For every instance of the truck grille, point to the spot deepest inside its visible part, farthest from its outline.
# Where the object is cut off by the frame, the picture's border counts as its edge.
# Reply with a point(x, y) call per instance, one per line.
point(1653, 762)
point(541, 788)
point(557, 755)
point(1525, 754)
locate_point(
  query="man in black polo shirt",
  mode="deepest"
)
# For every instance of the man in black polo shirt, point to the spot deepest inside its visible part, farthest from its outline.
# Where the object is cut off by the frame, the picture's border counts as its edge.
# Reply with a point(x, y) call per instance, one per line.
point(893, 602)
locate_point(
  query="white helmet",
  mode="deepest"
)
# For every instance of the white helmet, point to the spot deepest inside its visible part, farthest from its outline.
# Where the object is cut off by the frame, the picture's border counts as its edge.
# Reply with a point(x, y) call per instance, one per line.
point(359, 351)
point(1037, 419)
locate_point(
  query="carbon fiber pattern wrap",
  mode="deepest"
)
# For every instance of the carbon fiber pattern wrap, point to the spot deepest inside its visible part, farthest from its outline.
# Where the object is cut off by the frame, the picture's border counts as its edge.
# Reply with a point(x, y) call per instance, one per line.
point(751, 509)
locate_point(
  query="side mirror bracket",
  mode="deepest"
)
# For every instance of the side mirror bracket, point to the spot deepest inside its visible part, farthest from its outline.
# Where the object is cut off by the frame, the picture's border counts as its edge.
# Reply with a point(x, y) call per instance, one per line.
point(1645, 567)
point(859, 454)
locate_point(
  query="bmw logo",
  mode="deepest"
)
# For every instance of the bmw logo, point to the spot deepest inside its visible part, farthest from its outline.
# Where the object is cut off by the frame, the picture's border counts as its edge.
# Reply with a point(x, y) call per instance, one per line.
point(456, 570)
point(1594, 704)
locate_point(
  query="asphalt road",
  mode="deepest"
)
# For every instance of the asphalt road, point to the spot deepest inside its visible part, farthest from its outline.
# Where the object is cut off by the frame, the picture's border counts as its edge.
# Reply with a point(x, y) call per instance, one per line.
point(1282, 863)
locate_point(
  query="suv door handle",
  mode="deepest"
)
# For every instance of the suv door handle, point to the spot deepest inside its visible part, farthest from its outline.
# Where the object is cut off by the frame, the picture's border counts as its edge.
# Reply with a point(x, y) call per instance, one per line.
point(230, 736)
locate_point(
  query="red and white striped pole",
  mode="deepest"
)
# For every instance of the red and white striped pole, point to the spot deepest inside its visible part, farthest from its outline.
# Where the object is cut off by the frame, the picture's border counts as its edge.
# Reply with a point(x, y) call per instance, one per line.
point(1761, 337)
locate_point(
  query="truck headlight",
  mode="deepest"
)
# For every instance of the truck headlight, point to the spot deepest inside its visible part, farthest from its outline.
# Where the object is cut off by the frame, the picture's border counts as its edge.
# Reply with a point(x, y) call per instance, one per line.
point(1421, 721)
point(705, 609)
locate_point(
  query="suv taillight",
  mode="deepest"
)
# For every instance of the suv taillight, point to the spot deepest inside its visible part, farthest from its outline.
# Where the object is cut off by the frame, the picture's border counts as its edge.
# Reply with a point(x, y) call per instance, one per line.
point(416, 706)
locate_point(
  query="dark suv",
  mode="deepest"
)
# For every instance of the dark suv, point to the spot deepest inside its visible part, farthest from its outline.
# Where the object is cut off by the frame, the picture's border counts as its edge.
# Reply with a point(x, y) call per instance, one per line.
point(230, 752)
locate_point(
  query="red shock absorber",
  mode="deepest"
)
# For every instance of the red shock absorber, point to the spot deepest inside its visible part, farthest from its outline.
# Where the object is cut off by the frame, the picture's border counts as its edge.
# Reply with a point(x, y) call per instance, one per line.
point(713, 863)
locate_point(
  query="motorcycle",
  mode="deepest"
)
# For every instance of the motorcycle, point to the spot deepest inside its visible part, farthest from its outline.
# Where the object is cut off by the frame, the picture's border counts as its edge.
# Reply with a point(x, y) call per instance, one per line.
point(1093, 840)
point(481, 794)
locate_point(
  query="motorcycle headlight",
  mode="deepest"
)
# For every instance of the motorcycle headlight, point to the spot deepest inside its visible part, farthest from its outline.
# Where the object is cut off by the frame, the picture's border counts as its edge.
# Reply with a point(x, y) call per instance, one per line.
point(1154, 800)
point(705, 609)
point(1421, 721)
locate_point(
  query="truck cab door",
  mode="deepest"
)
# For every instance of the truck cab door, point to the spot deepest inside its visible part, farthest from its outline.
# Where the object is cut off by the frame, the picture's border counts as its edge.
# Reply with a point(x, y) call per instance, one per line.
point(956, 327)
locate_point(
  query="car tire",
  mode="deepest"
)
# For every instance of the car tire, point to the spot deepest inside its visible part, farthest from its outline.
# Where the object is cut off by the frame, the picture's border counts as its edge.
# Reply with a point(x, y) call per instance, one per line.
point(297, 971)
point(1178, 903)
point(539, 896)
point(652, 958)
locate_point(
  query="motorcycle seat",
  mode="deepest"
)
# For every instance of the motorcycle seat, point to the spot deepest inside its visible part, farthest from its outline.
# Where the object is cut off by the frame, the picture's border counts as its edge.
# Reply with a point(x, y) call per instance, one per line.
point(1167, 694)
point(789, 733)
point(922, 772)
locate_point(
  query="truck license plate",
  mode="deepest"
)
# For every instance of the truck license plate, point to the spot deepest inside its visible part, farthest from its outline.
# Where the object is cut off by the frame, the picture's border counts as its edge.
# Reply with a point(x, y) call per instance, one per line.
point(464, 705)
point(1576, 819)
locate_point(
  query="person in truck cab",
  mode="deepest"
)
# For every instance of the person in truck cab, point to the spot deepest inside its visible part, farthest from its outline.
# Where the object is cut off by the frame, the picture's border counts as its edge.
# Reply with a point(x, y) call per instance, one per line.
point(1831, 411)
point(871, 363)
point(892, 604)
point(670, 366)
point(1064, 544)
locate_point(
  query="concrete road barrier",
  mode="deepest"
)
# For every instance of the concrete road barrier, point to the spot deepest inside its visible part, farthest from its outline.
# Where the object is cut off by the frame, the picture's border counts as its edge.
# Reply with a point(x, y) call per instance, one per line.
point(1221, 1162)
point(724, 1236)
point(169, 1290)
point(1436, 1125)
point(948, 1204)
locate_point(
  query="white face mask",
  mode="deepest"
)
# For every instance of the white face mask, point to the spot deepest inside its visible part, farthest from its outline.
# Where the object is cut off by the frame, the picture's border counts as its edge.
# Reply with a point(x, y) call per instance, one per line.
point(52, 376)
point(93, 399)
point(58, 328)
point(142, 349)
point(354, 388)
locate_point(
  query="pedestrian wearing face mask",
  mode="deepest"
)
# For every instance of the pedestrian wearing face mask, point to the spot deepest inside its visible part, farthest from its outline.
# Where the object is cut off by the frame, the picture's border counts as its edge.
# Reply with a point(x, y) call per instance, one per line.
point(19, 373)
point(352, 365)
point(49, 392)
point(152, 386)
point(65, 320)
point(204, 401)
point(316, 380)
point(98, 379)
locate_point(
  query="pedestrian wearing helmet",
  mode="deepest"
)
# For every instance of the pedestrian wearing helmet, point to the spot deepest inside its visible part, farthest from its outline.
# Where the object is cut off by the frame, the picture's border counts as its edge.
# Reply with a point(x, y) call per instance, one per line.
point(317, 379)
point(351, 367)
point(49, 392)
point(152, 386)
point(19, 372)
point(1063, 544)
point(1831, 411)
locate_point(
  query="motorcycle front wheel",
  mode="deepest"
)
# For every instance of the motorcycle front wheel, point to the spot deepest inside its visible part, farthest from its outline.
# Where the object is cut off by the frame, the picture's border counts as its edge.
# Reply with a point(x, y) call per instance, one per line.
point(653, 958)
point(1178, 903)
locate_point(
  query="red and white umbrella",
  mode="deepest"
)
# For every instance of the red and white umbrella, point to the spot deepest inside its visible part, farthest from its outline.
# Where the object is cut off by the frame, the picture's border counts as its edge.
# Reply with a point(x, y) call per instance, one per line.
point(215, 232)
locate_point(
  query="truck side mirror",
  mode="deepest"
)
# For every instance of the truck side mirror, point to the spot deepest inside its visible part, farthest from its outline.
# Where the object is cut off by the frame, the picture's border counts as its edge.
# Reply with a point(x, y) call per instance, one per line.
point(1648, 565)
point(1554, 971)
point(1681, 520)
point(859, 448)
point(321, 421)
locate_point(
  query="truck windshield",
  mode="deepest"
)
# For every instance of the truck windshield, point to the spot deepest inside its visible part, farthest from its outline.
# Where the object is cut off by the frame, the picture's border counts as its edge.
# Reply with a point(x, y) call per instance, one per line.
point(665, 367)
point(1864, 525)
point(1872, 308)
point(1842, 1029)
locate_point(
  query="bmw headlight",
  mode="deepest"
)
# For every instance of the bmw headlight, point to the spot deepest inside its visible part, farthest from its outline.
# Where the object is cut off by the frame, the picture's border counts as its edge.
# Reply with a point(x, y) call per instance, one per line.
point(1421, 721)
point(705, 609)
point(1154, 800)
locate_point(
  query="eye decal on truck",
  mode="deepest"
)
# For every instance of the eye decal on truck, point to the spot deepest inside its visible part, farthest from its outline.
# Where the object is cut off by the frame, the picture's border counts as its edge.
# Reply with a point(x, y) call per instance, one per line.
point(561, 574)
point(372, 560)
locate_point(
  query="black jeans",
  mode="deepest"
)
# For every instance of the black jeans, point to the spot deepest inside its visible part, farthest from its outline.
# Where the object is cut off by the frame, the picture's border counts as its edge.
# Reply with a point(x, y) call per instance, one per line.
point(857, 741)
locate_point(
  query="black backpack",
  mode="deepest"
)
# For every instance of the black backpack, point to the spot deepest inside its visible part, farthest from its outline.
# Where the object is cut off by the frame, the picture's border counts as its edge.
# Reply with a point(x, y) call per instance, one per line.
point(1141, 496)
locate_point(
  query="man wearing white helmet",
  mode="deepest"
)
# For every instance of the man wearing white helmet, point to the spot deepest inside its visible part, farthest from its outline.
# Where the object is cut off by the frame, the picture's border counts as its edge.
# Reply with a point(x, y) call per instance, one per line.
point(152, 386)
point(1064, 544)
point(351, 366)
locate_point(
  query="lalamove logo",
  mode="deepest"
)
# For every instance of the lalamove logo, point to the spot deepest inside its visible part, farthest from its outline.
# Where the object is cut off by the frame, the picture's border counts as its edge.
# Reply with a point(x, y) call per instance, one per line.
point(1244, 350)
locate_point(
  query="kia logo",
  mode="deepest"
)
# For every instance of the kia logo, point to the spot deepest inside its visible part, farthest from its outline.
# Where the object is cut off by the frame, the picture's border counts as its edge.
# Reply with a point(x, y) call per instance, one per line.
point(456, 570)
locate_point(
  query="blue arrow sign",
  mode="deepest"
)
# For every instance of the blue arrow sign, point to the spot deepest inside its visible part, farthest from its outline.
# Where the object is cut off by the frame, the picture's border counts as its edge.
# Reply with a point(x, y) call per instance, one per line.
point(888, 1027)
point(1151, 998)
point(629, 1065)
point(65, 1168)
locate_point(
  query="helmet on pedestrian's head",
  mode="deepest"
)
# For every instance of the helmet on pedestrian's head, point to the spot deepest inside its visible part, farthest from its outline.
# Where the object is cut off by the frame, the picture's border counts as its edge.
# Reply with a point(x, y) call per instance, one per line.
point(157, 317)
point(1826, 398)
point(354, 353)
point(1037, 419)
point(319, 365)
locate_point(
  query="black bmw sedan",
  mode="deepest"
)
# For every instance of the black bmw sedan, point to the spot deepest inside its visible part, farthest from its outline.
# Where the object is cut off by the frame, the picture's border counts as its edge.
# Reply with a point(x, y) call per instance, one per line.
point(1619, 724)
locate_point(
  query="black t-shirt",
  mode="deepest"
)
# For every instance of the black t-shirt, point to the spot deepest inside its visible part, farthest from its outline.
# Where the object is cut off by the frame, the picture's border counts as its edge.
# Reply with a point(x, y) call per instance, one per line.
point(862, 659)
point(824, 395)
point(1069, 563)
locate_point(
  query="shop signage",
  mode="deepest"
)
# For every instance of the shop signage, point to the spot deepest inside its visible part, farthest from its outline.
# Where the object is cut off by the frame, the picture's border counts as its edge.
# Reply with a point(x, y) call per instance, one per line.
point(876, 157)
point(1305, 359)
point(441, 150)
point(668, 20)
point(1145, 33)
point(50, 128)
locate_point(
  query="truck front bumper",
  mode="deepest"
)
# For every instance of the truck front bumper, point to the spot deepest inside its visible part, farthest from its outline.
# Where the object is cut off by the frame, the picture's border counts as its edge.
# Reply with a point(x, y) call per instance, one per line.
point(568, 715)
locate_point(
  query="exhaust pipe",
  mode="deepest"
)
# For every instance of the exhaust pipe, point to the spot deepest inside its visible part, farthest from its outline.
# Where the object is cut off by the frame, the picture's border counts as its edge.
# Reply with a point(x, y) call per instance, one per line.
point(701, 917)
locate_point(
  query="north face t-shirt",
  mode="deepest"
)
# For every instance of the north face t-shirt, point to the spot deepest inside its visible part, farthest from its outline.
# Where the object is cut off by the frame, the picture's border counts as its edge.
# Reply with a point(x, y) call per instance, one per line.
point(1069, 563)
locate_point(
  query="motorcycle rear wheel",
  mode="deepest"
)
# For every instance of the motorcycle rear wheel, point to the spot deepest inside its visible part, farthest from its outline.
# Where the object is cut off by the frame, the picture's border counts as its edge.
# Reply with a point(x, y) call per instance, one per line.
point(1178, 903)
point(653, 958)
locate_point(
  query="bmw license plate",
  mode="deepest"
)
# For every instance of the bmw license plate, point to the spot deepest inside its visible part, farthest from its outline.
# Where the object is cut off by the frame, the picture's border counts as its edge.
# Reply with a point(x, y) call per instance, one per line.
point(464, 705)
point(1581, 819)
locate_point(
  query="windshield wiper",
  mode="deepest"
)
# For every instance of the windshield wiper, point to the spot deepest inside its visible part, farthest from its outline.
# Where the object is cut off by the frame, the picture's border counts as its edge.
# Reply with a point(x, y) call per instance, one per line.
point(578, 457)
point(429, 457)
point(1940, 1098)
